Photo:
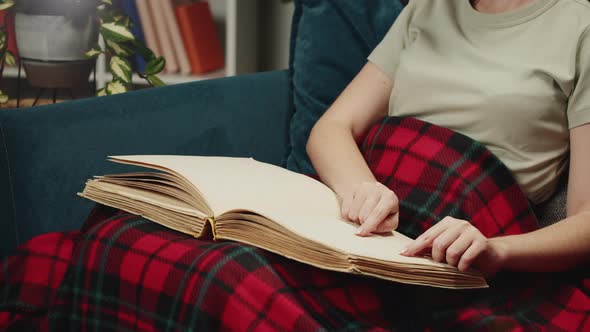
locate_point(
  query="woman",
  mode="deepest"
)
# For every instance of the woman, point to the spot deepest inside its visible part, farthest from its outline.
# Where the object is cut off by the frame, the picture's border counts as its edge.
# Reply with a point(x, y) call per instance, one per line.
point(512, 74)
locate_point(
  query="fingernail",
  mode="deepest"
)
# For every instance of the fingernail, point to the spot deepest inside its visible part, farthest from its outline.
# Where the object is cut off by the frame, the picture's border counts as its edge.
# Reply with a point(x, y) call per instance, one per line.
point(358, 231)
point(403, 251)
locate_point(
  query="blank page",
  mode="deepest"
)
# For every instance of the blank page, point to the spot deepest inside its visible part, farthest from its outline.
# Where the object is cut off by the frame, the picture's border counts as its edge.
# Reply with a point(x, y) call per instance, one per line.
point(234, 184)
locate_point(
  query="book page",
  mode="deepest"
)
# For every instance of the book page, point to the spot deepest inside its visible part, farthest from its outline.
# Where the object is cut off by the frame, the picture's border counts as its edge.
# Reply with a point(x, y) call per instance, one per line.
point(153, 197)
point(331, 244)
point(162, 209)
point(340, 235)
point(234, 184)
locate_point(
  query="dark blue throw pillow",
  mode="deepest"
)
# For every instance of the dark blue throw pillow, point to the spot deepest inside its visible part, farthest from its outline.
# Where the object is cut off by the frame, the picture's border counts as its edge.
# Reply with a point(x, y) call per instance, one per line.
point(330, 42)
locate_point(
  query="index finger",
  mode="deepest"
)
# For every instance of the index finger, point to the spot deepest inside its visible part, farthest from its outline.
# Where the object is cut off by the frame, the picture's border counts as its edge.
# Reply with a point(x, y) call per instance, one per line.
point(425, 240)
point(377, 216)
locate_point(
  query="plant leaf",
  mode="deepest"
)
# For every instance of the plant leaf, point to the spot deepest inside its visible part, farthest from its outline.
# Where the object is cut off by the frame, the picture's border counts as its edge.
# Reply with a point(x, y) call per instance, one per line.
point(118, 48)
point(128, 22)
point(118, 18)
point(108, 2)
point(93, 52)
point(3, 98)
point(107, 15)
point(155, 65)
point(9, 58)
point(2, 39)
point(155, 80)
point(145, 52)
point(115, 87)
point(116, 32)
point(6, 4)
point(102, 92)
point(120, 68)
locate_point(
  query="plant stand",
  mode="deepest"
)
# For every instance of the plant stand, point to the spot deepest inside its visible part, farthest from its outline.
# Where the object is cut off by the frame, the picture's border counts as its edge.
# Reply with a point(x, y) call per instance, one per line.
point(41, 90)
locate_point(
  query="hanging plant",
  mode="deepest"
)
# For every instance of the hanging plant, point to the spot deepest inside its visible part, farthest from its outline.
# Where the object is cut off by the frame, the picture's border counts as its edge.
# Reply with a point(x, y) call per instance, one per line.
point(119, 46)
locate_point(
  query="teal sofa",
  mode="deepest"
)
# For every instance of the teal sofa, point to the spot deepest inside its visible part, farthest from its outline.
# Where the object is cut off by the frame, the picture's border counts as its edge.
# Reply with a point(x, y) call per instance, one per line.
point(48, 152)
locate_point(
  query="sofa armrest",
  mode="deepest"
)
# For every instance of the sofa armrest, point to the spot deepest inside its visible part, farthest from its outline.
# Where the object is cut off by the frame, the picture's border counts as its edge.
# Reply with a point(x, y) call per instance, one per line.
point(47, 153)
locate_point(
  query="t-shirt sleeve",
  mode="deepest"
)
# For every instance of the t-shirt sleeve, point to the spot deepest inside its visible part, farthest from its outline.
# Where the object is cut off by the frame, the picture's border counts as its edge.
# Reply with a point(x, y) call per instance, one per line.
point(387, 53)
point(578, 109)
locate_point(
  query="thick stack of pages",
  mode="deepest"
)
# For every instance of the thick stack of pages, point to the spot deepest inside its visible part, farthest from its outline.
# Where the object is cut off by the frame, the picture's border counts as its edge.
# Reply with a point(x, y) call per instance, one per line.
point(269, 207)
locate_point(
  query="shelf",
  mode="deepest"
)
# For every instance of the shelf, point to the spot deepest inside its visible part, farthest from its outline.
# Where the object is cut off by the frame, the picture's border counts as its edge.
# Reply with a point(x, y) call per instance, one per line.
point(170, 79)
point(167, 78)
point(236, 22)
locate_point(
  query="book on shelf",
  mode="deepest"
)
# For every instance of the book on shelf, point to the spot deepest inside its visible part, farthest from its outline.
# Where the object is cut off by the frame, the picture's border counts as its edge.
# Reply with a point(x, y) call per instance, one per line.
point(148, 27)
point(164, 38)
point(175, 38)
point(293, 215)
point(130, 9)
point(197, 27)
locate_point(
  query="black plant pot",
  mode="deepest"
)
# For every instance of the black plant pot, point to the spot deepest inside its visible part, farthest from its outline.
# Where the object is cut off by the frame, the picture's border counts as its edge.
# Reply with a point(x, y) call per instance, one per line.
point(52, 37)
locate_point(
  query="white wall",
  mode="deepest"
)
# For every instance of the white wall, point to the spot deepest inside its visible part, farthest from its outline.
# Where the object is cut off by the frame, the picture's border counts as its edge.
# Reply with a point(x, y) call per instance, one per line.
point(274, 33)
point(218, 7)
point(241, 31)
point(271, 43)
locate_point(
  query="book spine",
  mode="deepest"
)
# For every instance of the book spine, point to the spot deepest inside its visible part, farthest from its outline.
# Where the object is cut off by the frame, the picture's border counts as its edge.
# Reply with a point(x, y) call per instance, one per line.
point(130, 9)
point(148, 26)
point(163, 36)
point(211, 222)
point(176, 39)
point(198, 32)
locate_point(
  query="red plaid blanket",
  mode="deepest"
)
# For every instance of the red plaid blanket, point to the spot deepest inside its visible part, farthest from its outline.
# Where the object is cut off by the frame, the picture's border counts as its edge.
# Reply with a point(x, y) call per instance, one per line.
point(124, 273)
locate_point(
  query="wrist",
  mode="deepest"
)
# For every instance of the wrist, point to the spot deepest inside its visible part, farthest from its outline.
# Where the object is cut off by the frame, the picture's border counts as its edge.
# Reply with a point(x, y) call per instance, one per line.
point(351, 186)
point(499, 251)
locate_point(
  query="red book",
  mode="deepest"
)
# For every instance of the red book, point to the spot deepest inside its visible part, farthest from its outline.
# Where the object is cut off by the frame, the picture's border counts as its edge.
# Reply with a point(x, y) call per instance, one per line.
point(199, 36)
point(10, 32)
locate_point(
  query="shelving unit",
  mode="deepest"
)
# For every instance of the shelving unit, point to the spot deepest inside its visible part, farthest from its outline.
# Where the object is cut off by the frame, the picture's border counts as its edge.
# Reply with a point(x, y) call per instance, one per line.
point(237, 30)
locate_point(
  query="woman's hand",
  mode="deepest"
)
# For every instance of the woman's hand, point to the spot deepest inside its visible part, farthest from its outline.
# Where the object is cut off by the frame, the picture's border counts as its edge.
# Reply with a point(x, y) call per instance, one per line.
point(459, 244)
point(373, 206)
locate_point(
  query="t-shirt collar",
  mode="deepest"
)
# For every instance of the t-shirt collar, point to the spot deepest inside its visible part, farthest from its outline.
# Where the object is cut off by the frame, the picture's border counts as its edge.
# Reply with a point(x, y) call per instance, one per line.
point(507, 19)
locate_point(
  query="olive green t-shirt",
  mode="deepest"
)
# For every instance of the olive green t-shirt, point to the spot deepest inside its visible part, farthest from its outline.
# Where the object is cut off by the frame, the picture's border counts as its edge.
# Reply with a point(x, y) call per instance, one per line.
point(515, 81)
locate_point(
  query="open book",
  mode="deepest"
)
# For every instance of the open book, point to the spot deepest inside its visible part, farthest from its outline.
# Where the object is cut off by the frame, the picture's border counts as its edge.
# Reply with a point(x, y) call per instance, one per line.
point(268, 207)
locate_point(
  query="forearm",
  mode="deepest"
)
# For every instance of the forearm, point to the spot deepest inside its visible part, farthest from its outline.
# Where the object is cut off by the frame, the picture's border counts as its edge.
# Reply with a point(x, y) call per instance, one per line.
point(332, 147)
point(336, 157)
point(558, 247)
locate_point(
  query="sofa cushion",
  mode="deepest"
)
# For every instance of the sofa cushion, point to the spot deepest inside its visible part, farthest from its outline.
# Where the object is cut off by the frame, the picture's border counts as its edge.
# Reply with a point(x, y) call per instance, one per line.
point(48, 152)
point(330, 42)
point(554, 209)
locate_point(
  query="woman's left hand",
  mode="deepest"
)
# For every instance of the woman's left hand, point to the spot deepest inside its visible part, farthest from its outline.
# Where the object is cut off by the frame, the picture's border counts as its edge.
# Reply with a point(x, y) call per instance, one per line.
point(459, 244)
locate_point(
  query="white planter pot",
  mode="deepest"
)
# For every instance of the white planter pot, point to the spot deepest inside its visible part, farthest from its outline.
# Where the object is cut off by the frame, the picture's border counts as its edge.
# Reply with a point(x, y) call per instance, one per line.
point(52, 49)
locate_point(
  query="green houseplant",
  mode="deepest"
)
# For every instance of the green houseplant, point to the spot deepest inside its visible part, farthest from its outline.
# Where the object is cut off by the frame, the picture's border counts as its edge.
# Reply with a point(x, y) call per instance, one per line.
point(76, 25)
point(120, 46)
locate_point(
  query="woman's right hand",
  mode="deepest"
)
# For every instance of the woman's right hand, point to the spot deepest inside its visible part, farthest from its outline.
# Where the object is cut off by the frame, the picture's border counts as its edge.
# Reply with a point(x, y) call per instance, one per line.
point(371, 205)
point(334, 152)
